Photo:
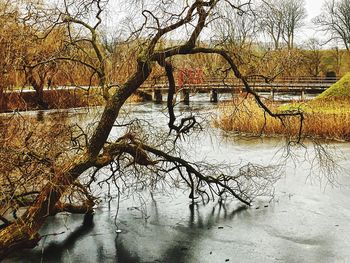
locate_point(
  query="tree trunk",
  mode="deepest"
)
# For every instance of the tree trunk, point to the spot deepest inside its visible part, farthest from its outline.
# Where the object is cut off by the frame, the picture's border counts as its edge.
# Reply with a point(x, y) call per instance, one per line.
point(42, 105)
point(17, 236)
point(24, 232)
point(2, 99)
point(39, 89)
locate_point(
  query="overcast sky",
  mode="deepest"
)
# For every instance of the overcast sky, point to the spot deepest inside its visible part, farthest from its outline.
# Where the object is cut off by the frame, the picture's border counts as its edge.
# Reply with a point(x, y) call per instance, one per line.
point(313, 8)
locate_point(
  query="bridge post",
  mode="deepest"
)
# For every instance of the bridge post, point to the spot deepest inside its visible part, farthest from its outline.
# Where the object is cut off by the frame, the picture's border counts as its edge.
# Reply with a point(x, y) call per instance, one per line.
point(302, 94)
point(185, 96)
point(272, 94)
point(144, 95)
point(157, 95)
point(214, 95)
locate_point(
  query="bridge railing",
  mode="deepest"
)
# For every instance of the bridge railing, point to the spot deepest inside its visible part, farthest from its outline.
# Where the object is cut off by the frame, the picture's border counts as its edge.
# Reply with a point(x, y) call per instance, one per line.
point(300, 79)
point(220, 82)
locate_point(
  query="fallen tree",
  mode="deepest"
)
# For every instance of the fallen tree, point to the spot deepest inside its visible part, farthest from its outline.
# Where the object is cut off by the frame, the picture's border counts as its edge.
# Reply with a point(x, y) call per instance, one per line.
point(84, 153)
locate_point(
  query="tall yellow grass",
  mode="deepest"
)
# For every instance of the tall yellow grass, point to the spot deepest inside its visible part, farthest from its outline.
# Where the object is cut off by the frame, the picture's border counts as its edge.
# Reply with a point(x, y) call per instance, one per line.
point(56, 99)
point(245, 117)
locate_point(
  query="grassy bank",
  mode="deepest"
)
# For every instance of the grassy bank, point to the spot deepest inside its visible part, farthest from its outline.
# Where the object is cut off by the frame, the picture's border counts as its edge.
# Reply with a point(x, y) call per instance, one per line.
point(324, 118)
point(327, 116)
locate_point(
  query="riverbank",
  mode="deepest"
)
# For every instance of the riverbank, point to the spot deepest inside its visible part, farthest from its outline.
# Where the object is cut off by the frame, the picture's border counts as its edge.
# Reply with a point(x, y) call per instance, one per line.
point(54, 99)
point(328, 120)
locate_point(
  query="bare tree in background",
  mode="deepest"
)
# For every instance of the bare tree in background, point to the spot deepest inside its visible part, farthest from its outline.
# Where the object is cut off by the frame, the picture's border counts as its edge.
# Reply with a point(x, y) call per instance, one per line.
point(10, 47)
point(24, 49)
point(271, 21)
point(237, 32)
point(313, 57)
point(280, 20)
point(89, 152)
point(335, 19)
point(337, 56)
point(238, 28)
point(294, 14)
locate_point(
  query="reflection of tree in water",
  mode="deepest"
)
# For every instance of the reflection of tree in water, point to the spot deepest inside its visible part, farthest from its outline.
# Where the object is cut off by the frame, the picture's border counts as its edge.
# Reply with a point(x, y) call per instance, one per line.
point(124, 255)
point(179, 249)
point(197, 225)
point(40, 115)
point(55, 250)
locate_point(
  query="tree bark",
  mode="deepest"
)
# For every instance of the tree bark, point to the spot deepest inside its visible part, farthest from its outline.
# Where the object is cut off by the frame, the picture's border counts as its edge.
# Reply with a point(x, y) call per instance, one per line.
point(24, 232)
point(38, 86)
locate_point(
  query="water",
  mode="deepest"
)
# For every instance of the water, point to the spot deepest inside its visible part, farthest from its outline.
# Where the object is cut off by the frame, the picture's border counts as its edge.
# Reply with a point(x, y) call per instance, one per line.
point(305, 222)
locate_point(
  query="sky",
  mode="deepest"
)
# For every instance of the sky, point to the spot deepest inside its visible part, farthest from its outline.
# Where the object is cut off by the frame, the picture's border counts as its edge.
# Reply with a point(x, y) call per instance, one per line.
point(313, 8)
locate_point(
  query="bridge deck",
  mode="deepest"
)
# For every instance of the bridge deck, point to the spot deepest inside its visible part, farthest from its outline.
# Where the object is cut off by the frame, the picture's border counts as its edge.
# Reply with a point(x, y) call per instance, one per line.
point(206, 87)
point(229, 86)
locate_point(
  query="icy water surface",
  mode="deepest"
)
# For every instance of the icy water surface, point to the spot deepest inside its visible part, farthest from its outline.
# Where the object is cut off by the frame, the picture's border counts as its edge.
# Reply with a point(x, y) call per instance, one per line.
point(306, 222)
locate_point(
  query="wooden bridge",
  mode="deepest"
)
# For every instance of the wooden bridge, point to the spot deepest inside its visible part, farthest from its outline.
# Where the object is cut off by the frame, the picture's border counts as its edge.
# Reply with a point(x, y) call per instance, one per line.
point(300, 85)
point(155, 90)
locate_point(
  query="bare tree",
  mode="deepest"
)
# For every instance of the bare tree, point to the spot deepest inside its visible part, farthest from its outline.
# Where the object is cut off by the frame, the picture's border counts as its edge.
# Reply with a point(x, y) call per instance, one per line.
point(280, 20)
point(237, 32)
point(335, 19)
point(294, 14)
point(74, 168)
point(271, 21)
point(337, 56)
point(237, 28)
point(10, 47)
point(313, 57)
point(23, 48)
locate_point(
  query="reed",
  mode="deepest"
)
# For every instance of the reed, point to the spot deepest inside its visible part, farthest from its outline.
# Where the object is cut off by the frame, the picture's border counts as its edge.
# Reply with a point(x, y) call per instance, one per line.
point(325, 119)
point(56, 99)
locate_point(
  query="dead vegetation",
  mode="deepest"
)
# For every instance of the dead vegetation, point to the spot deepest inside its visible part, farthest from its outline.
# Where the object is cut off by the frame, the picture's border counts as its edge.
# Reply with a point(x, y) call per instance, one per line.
point(322, 119)
point(63, 163)
point(32, 151)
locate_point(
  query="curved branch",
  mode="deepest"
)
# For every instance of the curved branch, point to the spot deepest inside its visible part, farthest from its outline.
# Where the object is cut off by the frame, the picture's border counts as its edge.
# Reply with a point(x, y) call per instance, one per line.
point(182, 128)
point(191, 170)
point(197, 5)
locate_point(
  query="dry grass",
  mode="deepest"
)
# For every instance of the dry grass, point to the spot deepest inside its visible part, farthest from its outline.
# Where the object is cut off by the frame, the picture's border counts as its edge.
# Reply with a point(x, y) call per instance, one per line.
point(28, 153)
point(56, 99)
point(323, 119)
point(32, 151)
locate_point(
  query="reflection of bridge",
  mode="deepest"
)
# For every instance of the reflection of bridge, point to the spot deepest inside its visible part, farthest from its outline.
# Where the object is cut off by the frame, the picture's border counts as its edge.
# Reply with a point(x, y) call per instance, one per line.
point(301, 85)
